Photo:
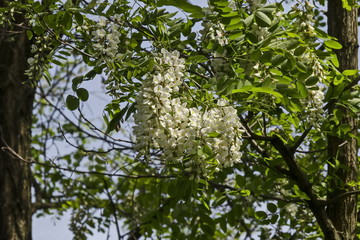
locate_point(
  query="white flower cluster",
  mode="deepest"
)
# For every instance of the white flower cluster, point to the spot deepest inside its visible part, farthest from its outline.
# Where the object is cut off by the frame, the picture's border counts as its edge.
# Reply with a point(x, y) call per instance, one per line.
point(292, 209)
point(163, 121)
point(219, 63)
point(221, 66)
point(107, 37)
point(255, 4)
point(38, 62)
point(215, 32)
point(306, 19)
point(315, 109)
point(319, 70)
point(259, 32)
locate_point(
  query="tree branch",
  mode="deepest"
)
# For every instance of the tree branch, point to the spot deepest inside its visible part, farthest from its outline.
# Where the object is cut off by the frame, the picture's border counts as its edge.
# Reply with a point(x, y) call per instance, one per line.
point(300, 140)
point(30, 161)
point(334, 199)
point(316, 205)
point(114, 210)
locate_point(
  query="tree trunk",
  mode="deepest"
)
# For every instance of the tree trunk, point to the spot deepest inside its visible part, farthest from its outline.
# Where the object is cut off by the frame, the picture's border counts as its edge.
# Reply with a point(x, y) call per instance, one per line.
point(16, 100)
point(343, 25)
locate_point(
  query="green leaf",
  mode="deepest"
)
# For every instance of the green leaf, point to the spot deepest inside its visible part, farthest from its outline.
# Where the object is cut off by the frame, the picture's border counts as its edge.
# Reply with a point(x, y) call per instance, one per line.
point(50, 20)
point(285, 44)
point(208, 230)
point(312, 81)
point(204, 203)
point(333, 44)
point(219, 201)
point(260, 215)
point(274, 219)
point(72, 102)
point(299, 51)
point(57, 62)
point(350, 72)
point(301, 67)
point(258, 90)
point(338, 115)
point(271, 207)
point(214, 135)
point(266, 90)
point(338, 79)
point(249, 20)
point(230, 14)
point(354, 101)
point(116, 119)
point(207, 150)
point(83, 94)
point(302, 89)
point(246, 88)
point(235, 20)
point(79, 18)
point(67, 21)
point(277, 60)
point(235, 35)
point(348, 4)
point(38, 30)
point(245, 192)
point(240, 181)
point(29, 34)
point(334, 59)
point(182, 4)
point(76, 81)
point(299, 193)
point(262, 19)
point(197, 59)
point(172, 189)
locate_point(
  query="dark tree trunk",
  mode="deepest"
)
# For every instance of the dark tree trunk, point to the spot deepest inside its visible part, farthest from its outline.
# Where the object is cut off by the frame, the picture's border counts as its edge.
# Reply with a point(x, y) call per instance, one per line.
point(16, 100)
point(343, 25)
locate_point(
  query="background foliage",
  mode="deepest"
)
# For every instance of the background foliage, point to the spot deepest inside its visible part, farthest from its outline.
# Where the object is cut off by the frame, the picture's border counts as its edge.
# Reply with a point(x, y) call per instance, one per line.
point(277, 68)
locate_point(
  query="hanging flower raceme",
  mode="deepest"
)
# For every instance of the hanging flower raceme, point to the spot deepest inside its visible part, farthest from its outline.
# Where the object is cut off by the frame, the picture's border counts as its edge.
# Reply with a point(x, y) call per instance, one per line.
point(201, 139)
point(315, 110)
point(107, 37)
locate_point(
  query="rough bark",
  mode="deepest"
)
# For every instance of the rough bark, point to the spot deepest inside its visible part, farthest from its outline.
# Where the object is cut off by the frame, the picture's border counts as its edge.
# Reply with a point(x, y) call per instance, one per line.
point(16, 100)
point(343, 25)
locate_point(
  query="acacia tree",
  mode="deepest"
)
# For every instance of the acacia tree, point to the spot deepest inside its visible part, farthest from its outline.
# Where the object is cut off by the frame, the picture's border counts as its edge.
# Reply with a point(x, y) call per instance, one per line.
point(245, 118)
point(16, 98)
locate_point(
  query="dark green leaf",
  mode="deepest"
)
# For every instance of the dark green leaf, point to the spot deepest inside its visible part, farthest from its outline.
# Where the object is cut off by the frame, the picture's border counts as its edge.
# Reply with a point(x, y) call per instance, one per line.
point(240, 181)
point(260, 215)
point(79, 18)
point(116, 119)
point(72, 102)
point(271, 207)
point(83, 94)
point(67, 21)
point(262, 19)
point(312, 81)
point(76, 81)
point(302, 89)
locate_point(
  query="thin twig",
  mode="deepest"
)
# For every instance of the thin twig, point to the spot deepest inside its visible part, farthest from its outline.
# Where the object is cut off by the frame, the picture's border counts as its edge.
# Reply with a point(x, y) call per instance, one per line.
point(332, 200)
point(114, 210)
point(30, 161)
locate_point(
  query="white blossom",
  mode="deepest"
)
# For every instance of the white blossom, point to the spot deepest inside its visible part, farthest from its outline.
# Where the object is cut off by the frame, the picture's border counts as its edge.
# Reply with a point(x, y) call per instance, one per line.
point(107, 38)
point(164, 121)
point(314, 108)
